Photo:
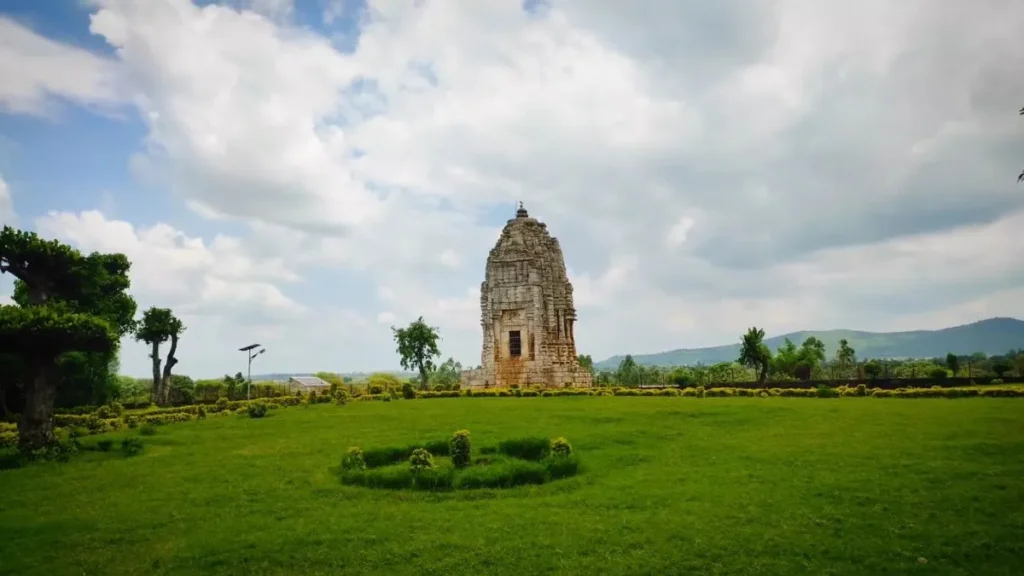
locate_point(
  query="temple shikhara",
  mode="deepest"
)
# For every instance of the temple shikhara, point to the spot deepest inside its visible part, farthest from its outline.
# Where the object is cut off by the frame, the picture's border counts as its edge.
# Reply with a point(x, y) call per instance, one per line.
point(527, 313)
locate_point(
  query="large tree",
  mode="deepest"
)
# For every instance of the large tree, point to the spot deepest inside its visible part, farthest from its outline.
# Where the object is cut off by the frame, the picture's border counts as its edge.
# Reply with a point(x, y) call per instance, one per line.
point(65, 302)
point(755, 353)
point(417, 348)
point(158, 325)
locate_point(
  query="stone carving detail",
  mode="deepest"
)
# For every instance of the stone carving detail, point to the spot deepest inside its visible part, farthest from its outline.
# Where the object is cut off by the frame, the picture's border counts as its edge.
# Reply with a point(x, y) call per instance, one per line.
point(526, 307)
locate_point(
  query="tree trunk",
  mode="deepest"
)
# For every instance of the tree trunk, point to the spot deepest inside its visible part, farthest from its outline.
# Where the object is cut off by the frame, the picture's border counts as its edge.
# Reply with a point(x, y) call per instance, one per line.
point(423, 378)
point(165, 382)
point(3, 401)
point(763, 375)
point(156, 393)
point(36, 428)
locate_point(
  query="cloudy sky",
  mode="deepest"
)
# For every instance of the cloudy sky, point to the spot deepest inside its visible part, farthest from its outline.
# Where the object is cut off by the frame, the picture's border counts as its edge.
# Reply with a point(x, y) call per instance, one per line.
point(306, 173)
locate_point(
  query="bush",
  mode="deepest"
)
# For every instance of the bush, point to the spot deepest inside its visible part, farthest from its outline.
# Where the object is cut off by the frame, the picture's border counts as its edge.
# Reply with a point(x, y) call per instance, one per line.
point(105, 445)
point(460, 449)
point(131, 421)
point(257, 409)
point(111, 410)
point(824, 391)
point(147, 429)
point(938, 373)
point(560, 447)
point(408, 392)
point(201, 413)
point(8, 439)
point(222, 404)
point(341, 398)
point(420, 460)
point(353, 460)
point(996, 381)
point(527, 448)
point(701, 391)
point(862, 390)
point(131, 446)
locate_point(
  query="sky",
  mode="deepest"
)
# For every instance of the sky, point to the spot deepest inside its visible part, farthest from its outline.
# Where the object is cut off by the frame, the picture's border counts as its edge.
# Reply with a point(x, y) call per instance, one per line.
point(308, 173)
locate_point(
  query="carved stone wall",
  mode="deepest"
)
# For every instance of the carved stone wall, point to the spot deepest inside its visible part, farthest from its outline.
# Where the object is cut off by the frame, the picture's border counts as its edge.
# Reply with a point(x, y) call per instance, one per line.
point(526, 294)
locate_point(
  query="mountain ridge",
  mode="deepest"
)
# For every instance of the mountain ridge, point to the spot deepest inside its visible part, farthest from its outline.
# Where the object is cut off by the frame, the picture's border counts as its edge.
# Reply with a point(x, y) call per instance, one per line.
point(991, 336)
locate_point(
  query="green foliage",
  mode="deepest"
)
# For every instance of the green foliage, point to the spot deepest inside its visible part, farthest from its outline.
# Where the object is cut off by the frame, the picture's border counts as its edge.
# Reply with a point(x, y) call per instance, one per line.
point(460, 449)
point(953, 363)
point(353, 460)
point(502, 474)
point(408, 392)
point(221, 404)
point(560, 448)
point(938, 373)
point(110, 410)
point(420, 460)
point(824, 391)
point(872, 369)
point(257, 409)
point(131, 446)
point(104, 445)
point(446, 377)
point(158, 325)
point(381, 382)
point(43, 333)
point(526, 448)
point(754, 353)
point(147, 429)
point(201, 412)
point(417, 347)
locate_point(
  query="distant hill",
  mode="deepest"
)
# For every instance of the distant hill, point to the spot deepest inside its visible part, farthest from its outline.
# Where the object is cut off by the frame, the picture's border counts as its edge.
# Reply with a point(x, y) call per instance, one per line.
point(992, 336)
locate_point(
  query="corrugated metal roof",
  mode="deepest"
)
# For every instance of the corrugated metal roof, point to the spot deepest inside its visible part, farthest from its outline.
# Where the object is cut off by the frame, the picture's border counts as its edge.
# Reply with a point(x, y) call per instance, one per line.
point(310, 381)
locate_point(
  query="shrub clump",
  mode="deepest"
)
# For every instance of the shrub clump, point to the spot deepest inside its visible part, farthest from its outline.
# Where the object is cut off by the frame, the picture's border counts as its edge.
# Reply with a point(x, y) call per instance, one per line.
point(560, 448)
point(353, 460)
point(131, 446)
point(824, 391)
point(105, 445)
point(257, 409)
point(421, 460)
point(111, 410)
point(460, 449)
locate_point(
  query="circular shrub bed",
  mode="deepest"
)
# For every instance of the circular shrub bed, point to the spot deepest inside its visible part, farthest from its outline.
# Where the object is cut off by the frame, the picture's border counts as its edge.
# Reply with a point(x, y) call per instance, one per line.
point(452, 464)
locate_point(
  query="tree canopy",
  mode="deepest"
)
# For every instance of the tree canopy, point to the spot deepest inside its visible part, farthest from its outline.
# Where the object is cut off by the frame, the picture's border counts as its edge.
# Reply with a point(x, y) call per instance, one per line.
point(157, 326)
point(65, 302)
point(755, 353)
point(417, 348)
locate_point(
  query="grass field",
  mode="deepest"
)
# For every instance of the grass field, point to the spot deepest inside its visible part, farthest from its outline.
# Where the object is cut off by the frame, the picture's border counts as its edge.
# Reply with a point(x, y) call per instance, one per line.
point(669, 486)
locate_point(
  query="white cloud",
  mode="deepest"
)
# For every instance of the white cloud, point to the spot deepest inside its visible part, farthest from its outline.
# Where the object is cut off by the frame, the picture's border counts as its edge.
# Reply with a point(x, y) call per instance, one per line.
point(791, 164)
point(7, 215)
point(36, 69)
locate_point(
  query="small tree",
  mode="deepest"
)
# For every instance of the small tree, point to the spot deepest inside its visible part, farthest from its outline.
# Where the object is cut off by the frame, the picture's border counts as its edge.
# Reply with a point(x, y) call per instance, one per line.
point(846, 357)
point(417, 348)
point(447, 376)
point(157, 326)
point(953, 363)
point(872, 369)
point(755, 353)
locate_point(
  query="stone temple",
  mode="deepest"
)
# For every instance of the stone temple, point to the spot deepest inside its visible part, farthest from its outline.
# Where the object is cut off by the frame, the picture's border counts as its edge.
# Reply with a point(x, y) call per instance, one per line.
point(527, 313)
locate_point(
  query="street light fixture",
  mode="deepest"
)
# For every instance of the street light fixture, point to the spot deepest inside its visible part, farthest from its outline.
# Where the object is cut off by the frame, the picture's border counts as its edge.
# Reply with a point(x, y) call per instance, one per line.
point(249, 352)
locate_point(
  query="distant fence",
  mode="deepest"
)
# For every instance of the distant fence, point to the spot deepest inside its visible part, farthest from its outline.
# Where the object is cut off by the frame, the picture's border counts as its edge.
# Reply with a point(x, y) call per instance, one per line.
point(883, 383)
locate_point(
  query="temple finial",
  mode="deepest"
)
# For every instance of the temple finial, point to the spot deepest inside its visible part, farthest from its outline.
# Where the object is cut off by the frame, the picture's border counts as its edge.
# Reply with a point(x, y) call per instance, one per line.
point(521, 212)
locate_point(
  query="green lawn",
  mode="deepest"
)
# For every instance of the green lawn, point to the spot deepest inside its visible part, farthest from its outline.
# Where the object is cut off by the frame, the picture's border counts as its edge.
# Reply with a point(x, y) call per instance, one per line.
point(669, 486)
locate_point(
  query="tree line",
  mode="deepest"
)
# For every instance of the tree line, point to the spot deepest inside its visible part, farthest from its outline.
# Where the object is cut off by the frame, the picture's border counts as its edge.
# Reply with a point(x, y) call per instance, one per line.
point(807, 361)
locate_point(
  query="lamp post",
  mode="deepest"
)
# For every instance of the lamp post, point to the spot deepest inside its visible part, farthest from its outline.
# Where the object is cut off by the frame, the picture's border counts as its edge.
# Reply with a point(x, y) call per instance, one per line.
point(250, 354)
